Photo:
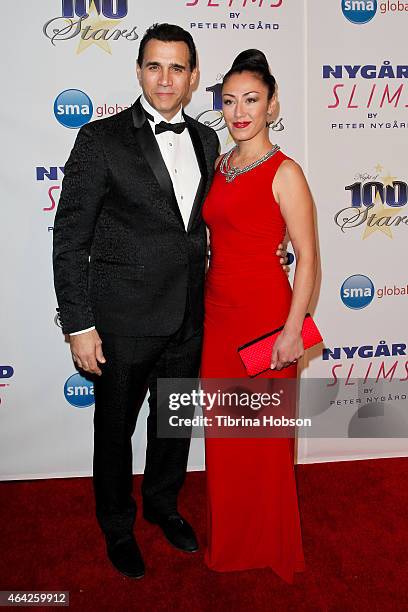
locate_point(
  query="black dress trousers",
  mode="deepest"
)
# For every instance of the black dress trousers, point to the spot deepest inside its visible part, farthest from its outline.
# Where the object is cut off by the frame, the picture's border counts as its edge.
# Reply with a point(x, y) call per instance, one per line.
point(133, 365)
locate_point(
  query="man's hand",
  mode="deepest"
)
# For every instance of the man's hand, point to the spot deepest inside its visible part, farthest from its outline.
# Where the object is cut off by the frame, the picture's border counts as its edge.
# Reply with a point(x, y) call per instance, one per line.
point(282, 254)
point(86, 351)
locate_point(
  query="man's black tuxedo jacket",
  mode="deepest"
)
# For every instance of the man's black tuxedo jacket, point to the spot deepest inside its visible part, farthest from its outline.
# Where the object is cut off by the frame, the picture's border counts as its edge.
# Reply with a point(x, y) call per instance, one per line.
point(123, 260)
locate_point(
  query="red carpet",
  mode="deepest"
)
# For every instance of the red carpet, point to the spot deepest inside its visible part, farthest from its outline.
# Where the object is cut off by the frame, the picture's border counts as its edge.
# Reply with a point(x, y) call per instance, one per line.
point(354, 519)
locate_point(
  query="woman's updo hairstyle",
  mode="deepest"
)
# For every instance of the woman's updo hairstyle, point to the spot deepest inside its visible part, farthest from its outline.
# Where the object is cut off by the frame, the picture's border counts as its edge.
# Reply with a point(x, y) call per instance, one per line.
point(254, 61)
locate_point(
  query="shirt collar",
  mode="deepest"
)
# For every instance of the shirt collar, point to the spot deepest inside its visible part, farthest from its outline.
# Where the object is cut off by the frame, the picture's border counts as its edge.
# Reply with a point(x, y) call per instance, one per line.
point(157, 117)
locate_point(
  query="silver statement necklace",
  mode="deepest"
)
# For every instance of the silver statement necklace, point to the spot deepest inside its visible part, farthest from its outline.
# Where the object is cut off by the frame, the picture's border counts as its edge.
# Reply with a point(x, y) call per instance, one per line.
point(231, 172)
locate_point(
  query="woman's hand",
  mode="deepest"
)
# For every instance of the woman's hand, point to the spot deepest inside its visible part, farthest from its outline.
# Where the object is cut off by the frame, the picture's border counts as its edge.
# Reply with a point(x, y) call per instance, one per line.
point(287, 349)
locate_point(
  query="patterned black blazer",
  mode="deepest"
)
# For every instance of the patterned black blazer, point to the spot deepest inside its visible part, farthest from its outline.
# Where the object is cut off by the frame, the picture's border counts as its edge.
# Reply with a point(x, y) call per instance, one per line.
point(123, 260)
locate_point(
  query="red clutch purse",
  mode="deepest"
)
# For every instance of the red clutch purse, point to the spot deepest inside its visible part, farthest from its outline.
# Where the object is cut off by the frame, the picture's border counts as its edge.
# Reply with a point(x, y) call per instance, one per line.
point(256, 355)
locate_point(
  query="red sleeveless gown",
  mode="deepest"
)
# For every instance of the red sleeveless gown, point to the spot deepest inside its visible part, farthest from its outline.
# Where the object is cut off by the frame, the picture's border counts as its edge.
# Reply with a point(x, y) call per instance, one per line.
point(252, 509)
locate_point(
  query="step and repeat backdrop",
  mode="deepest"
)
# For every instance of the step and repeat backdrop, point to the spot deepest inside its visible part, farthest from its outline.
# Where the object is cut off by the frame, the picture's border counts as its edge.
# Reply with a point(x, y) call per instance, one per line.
point(342, 80)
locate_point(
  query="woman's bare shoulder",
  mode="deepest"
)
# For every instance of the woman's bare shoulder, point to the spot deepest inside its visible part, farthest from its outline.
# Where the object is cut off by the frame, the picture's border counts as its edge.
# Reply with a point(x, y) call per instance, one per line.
point(289, 168)
point(217, 161)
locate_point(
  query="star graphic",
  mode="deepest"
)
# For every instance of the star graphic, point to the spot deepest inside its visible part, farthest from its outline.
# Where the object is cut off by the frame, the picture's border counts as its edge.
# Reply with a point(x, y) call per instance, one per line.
point(378, 168)
point(95, 24)
point(380, 211)
point(388, 180)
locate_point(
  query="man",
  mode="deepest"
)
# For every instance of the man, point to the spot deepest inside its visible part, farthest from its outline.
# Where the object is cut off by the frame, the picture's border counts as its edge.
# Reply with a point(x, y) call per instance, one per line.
point(129, 264)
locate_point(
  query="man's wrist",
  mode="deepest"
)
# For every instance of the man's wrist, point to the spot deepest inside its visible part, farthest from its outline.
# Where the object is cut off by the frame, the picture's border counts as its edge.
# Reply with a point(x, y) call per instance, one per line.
point(82, 331)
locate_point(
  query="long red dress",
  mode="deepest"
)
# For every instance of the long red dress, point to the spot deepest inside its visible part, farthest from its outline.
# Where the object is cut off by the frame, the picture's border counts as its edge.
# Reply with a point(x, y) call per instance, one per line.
point(252, 509)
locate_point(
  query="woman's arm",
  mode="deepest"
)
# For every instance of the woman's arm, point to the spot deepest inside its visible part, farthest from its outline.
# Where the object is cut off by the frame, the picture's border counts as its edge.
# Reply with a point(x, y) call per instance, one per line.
point(292, 193)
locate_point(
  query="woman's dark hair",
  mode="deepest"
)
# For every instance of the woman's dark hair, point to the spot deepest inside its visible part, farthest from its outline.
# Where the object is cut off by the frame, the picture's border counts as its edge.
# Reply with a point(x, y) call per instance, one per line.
point(167, 32)
point(253, 60)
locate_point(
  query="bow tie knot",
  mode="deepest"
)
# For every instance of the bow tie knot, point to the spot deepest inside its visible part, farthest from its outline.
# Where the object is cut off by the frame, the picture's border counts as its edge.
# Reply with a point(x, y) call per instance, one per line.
point(161, 127)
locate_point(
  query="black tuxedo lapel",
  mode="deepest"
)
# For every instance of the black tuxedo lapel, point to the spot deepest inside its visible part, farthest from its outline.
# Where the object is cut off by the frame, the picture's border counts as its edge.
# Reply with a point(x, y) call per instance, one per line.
point(150, 149)
point(199, 151)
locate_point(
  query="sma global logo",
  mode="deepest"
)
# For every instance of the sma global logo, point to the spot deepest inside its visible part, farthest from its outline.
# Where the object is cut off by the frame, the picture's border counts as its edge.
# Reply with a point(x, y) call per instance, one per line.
point(79, 391)
point(73, 108)
point(357, 291)
point(359, 11)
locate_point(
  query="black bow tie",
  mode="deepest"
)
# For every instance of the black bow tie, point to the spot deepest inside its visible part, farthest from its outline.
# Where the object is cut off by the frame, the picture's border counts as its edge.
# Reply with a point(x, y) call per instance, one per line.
point(161, 127)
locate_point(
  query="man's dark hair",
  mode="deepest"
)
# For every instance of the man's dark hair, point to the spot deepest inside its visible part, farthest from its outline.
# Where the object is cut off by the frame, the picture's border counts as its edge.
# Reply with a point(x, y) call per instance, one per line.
point(167, 32)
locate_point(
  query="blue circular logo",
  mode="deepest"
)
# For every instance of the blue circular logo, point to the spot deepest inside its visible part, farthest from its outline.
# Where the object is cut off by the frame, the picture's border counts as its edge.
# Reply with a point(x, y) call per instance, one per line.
point(357, 291)
point(79, 391)
point(359, 11)
point(73, 108)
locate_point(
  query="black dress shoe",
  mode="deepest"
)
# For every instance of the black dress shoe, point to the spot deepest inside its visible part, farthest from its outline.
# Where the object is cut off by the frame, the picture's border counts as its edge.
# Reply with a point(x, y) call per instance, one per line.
point(126, 557)
point(176, 529)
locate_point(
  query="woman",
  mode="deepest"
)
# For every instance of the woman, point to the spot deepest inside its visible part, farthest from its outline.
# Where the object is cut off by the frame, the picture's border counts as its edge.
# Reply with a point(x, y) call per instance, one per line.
point(258, 192)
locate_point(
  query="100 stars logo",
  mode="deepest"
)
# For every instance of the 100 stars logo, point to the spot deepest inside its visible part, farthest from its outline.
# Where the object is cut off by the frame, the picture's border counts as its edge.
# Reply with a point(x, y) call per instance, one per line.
point(377, 205)
point(92, 22)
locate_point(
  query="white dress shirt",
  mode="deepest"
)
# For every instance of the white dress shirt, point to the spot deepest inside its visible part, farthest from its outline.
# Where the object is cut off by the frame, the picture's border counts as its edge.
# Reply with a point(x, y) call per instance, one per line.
point(179, 156)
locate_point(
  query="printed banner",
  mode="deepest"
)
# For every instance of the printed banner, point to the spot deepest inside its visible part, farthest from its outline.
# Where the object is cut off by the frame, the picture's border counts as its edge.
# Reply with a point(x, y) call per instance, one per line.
point(342, 72)
point(70, 62)
point(357, 100)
